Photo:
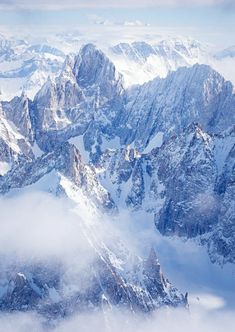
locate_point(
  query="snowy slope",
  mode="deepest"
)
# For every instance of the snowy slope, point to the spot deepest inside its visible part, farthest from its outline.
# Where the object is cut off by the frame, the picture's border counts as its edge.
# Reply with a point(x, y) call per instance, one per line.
point(13, 145)
point(195, 94)
point(25, 67)
point(140, 62)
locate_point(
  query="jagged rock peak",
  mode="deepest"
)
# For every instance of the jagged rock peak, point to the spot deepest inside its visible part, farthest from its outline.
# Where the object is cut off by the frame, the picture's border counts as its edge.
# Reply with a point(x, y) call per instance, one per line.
point(153, 256)
point(170, 105)
point(23, 94)
point(88, 49)
point(93, 67)
point(67, 70)
point(17, 112)
point(197, 76)
point(152, 265)
point(46, 89)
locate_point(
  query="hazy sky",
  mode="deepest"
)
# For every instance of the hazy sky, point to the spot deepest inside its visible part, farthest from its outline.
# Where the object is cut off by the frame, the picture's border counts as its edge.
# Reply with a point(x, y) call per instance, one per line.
point(60, 4)
point(210, 20)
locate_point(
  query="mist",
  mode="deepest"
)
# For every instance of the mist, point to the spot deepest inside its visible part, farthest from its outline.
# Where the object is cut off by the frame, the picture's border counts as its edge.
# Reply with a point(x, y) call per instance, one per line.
point(38, 229)
point(37, 225)
point(226, 67)
point(115, 321)
point(41, 229)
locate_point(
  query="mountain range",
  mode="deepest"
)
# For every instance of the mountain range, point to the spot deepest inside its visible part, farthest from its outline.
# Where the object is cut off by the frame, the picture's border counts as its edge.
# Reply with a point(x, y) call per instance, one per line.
point(165, 148)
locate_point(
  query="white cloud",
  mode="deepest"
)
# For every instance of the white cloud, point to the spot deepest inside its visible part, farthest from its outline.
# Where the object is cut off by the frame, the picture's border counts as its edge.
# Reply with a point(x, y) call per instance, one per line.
point(226, 67)
point(206, 301)
point(99, 20)
point(164, 320)
point(40, 226)
point(115, 321)
point(42, 229)
point(136, 23)
point(76, 4)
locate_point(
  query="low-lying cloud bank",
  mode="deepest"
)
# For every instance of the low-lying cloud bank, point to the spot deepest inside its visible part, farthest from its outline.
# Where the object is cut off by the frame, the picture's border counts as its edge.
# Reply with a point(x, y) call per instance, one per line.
point(116, 321)
point(38, 227)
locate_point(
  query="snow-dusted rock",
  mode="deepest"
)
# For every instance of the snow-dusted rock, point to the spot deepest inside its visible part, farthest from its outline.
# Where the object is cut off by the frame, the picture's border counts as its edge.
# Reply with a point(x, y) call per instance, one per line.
point(87, 98)
point(44, 288)
point(13, 145)
point(195, 94)
point(17, 111)
point(68, 175)
point(140, 62)
point(186, 183)
point(26, 67)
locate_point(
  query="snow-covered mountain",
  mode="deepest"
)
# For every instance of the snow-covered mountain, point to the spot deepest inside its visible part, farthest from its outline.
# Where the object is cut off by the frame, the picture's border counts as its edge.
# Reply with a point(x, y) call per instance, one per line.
point(184, 184)
point(88, 106)
point(86, 99)
point(25, 67)
point(140, 62)
point(164, 148)
point(15, 132)
point(45, 289)
point(26, 63)
point(115, 277)
point(226, 53)
point(101, 110)
point(194, 94)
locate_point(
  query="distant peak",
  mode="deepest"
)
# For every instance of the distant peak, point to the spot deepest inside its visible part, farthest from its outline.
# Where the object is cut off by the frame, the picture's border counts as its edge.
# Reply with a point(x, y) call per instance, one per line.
point(67, 69)
point(46, 88)
point(23, 94)
point(69, 60)
point(197, 74)
point(92, 67)
point(91, 51)
point(88, 48)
